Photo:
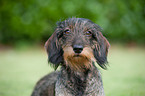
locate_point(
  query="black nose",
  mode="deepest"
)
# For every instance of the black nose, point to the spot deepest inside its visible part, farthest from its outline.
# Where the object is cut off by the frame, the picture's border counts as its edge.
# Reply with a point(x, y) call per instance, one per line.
point(77, 48)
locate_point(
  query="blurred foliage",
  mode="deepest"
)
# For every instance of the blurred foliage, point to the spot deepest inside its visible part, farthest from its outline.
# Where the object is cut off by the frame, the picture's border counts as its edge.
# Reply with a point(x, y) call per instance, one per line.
point(35, 20)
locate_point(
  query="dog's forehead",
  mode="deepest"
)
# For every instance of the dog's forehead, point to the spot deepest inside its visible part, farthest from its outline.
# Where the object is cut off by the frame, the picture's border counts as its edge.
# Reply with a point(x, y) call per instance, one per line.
point(79, 23)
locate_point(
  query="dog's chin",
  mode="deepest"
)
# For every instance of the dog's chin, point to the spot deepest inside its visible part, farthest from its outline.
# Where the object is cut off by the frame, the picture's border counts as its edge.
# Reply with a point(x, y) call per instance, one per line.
point(78, 62)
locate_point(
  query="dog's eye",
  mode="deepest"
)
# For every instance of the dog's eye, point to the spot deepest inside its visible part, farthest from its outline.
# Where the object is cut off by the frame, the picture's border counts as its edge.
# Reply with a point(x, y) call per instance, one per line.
point(88, 33)
point(66, 32)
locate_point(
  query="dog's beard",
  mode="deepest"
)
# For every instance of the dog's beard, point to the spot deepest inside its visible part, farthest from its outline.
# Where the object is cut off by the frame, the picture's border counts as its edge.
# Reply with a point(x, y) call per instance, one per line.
point(79, 62)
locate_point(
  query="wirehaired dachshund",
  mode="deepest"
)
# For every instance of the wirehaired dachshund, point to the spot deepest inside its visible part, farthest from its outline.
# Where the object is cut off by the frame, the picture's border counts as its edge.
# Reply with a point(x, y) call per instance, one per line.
point(76, 45)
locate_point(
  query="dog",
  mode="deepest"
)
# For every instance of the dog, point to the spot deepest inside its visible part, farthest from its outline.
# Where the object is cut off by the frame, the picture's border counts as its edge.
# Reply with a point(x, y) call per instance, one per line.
point(76, 45)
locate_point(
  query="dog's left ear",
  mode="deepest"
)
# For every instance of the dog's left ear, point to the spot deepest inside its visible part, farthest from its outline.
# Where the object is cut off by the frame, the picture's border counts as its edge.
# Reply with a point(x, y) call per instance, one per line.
point(54, 50)
point(101, 50)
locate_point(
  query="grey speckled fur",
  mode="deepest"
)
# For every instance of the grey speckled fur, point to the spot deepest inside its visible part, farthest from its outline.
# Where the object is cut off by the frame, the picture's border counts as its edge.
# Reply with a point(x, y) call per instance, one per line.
point(54, 84)
point(94, 86)
point(46, 85)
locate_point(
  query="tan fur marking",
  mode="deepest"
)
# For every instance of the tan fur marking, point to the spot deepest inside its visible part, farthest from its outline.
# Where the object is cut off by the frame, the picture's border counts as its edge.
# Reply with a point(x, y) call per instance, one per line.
point(84, 61)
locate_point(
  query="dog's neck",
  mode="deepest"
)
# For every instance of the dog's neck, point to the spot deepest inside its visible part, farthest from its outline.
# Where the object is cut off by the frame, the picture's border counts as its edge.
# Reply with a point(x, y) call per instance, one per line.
point(79, 83)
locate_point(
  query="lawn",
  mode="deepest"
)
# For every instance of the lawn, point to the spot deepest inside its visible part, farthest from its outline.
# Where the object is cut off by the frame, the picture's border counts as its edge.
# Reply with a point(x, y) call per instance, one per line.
point(21, 69)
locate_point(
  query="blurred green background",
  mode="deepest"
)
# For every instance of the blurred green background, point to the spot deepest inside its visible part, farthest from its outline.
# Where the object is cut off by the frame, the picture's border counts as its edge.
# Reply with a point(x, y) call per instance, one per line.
point(25, 21)
point(25, 25)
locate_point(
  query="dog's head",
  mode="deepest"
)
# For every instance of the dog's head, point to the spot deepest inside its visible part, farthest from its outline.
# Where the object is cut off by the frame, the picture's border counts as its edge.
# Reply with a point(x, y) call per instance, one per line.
point(77, 42)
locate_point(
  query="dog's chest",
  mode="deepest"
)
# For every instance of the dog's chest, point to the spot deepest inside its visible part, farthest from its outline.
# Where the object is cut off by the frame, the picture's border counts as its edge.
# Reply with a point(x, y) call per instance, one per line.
point(90, 87)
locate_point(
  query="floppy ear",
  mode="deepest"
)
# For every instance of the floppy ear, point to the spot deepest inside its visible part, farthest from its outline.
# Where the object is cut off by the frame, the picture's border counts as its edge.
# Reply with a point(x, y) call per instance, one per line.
point(101, 50)
point(54, 50)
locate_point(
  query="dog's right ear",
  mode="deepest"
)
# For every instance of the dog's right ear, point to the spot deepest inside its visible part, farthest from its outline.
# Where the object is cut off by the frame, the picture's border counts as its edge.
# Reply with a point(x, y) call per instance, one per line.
point(54, 50)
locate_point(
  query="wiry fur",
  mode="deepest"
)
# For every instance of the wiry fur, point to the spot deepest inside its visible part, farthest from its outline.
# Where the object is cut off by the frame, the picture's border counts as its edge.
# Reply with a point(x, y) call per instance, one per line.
point(78, 75)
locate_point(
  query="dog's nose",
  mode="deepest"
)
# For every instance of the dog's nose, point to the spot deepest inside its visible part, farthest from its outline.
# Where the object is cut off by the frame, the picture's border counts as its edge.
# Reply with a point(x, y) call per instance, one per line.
point(77, 48)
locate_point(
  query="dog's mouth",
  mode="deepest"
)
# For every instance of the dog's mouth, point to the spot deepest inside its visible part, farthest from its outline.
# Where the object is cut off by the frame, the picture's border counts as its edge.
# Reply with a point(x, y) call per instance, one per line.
point(77, 55)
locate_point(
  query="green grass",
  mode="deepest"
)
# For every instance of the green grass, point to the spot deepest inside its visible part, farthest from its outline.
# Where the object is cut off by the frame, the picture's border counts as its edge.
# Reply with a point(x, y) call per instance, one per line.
point(21, 69)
